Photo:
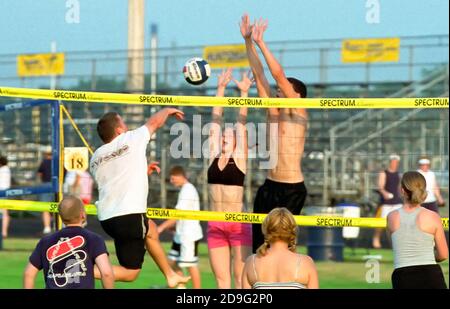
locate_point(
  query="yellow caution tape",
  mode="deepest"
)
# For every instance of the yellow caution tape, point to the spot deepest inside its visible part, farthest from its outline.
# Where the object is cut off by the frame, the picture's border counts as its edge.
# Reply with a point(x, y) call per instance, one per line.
point(39, 206)
point(158, 213)
point(207, 101)
point(323, 221)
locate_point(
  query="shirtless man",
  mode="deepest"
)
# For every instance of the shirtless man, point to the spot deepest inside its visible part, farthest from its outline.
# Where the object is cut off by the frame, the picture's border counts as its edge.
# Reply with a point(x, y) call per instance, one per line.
point(284, 186)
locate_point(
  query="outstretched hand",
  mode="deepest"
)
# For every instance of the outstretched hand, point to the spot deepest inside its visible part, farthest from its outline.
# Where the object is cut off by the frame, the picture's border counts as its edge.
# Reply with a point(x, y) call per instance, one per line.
point(224, 78)
point(159, 229)
point(153, 166)
point(258, 30)
point(246, 82)
point(175, 112)
point(246, 27)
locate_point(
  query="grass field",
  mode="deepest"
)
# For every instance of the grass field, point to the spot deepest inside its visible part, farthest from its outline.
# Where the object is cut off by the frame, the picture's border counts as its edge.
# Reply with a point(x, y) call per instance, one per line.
point(350, 274)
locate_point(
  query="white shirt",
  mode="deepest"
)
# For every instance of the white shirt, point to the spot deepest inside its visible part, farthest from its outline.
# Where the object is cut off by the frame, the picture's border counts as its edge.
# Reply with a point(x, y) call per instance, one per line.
point(5, 177)
point(120, 170)
point(430, 178)
point(69, 180)
point(188, 230)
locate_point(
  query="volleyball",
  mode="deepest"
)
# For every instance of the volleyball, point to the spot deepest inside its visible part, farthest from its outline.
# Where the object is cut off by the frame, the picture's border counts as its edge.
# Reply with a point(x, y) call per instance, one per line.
point(196, 71)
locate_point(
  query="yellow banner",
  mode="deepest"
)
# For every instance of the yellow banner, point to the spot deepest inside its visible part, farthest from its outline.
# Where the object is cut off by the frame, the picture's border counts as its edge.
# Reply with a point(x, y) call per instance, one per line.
point(206, 101)
point(256, 218)
point(40, 64)
point(371, 50)
point(76, 158)
point(225, 56)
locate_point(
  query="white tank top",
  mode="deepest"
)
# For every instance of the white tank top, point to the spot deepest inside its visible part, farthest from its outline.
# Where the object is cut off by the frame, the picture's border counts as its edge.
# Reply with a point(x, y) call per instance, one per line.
point(430, 178)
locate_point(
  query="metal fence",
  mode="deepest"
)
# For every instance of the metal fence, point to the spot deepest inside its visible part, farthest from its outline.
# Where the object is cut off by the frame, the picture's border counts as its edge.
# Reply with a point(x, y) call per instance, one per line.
point(334, 162)
point(317, 62)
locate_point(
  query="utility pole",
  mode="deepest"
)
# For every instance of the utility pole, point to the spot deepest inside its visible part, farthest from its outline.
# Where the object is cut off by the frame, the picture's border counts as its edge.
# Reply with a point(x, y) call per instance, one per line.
point(136, 11)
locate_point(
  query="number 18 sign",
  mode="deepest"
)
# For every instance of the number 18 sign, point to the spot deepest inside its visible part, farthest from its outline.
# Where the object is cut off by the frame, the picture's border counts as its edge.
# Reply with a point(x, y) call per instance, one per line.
point(76, 158)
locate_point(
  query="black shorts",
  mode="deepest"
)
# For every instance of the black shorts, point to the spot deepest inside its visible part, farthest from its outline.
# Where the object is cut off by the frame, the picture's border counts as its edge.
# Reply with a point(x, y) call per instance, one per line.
point(418, 277)
point(129, 233)
point(274, 194)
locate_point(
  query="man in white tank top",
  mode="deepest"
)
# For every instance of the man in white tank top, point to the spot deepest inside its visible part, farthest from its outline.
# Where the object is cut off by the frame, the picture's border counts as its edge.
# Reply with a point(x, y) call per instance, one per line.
point(434, 199)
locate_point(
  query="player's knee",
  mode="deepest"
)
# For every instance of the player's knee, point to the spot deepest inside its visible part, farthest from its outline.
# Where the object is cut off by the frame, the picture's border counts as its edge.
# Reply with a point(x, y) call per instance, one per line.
point(152, 231)
point(131, 275)
point(223, 281)
point(223, 284)
point(237, 279)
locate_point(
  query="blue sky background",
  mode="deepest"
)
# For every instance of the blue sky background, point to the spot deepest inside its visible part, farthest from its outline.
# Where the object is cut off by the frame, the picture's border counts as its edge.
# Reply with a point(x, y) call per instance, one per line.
point(29, 25)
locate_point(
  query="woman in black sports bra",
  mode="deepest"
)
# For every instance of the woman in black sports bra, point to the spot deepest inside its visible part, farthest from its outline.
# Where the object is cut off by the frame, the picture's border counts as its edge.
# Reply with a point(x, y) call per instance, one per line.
point(229, 243)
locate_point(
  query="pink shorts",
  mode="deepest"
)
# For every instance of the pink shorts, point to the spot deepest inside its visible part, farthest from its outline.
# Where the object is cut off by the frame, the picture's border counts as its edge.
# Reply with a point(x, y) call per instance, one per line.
point(229, 234)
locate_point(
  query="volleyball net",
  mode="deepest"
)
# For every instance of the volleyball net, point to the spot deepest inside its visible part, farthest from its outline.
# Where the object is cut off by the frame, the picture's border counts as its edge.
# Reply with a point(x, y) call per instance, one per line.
point(64, 111)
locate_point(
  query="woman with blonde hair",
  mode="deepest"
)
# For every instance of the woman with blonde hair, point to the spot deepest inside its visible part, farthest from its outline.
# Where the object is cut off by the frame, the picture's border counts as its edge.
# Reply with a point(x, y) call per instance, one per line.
point(276, 264)
point(418, 239)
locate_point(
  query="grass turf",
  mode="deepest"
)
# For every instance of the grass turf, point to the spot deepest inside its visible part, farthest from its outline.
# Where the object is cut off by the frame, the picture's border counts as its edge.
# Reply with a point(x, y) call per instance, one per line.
point(350, 274)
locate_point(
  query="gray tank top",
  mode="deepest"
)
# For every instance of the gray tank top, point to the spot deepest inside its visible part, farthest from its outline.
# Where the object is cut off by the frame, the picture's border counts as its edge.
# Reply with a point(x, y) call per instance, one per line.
point(411, 245)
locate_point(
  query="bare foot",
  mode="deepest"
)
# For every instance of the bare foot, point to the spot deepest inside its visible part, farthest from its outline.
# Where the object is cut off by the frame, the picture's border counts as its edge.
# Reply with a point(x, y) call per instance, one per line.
point(175, 279)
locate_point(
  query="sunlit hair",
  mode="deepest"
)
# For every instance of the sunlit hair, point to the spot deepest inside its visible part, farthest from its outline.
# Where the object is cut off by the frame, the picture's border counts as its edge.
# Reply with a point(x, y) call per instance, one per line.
point(414, 187)
point(279, 225)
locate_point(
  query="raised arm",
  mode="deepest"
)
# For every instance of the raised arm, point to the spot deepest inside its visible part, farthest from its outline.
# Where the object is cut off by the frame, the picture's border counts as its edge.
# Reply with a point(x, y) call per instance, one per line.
point(241, 130)
point(158, 119)
point(274, 66)
point(244, 85)
point(217, 112)
point(262, 85)
point(222, 82)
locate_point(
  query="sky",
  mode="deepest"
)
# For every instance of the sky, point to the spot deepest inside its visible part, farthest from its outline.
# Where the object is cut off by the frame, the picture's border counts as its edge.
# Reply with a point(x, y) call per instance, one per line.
point(28, 26)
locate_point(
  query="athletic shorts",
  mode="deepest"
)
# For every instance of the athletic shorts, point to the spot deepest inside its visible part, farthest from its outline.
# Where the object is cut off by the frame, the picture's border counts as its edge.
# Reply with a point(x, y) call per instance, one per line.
point(274, 194)
point(386, 209)
point(229, 234)
point(184, 253)
point(419, 277)
point(129, 233)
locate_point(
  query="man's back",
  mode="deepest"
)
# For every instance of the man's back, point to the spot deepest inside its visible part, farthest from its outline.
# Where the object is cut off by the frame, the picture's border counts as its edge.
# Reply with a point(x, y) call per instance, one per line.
point(68, 257)
point(45, 170)
point(5, 177)
point(120, 169)
point(188, 199)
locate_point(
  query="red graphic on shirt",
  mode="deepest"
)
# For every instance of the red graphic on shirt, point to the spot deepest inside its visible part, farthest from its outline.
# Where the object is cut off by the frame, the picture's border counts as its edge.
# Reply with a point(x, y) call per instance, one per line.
point(64, 247)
